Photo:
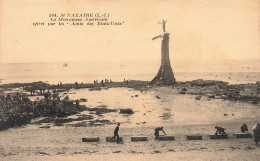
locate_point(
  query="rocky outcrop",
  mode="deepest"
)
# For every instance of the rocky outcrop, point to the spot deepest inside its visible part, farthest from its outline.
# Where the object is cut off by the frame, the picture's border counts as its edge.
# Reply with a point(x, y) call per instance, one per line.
point(126, 111)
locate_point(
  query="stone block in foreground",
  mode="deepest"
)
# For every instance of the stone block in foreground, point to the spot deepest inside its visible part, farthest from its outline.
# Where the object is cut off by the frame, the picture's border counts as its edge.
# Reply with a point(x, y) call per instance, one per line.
point(194, 137)
point(139, 138)
point(218, 136)
point(93, 139)
point(165, 138)
point(113, 140)
point(243, 135)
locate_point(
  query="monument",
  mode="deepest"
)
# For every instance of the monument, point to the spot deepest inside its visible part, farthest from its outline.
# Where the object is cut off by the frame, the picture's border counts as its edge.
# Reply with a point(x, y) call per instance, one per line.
point(165, 75)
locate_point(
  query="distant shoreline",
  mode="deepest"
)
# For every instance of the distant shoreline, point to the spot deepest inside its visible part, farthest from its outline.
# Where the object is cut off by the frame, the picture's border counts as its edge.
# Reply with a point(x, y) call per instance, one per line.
point(25, 75)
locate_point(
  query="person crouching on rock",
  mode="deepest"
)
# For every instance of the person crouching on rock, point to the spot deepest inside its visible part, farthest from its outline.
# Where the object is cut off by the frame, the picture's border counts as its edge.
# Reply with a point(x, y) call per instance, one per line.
point(244, 128)
point(116, 134)
point(220, 130)
point(256, 130)
point(156, 132)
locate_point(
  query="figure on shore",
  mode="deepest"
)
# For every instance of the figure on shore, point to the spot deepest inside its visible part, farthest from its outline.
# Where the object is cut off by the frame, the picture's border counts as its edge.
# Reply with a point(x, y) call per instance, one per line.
point(116, 134)
point(156, 132)
point(8, 97)
point(76, 85)
point(220, 130)
point(163, 24)
point(77, 104)
point(256, 130)
point(244, 128)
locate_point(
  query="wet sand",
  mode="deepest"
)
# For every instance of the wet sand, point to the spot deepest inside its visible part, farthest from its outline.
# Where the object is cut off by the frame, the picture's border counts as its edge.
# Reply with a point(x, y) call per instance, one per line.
point(179, 114)
point(192, 155)
point(65, 144)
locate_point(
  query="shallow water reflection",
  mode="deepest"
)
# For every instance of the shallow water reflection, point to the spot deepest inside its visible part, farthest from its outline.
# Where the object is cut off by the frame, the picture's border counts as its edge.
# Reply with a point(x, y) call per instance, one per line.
point(169, 108)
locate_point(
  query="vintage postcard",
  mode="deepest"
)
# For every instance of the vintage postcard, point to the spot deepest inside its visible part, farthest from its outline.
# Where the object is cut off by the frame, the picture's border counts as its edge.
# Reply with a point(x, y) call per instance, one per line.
point(129, 80)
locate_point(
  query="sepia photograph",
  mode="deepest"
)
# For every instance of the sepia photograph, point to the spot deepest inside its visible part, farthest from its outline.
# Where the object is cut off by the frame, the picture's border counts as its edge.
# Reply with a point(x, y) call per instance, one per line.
point(148, 80)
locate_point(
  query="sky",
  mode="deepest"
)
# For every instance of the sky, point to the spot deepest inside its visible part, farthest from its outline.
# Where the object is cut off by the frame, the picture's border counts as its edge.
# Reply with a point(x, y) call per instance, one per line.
point(204, 35)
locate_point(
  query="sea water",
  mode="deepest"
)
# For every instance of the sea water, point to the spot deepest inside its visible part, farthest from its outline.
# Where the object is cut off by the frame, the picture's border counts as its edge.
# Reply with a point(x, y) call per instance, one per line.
point(54, 73)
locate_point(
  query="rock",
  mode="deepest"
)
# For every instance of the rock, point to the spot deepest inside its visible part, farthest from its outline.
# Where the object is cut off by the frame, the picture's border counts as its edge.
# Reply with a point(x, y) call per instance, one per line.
point(211, 96)
point(255, 102)
point(243, 135)
point(201, 82)
point(108, 139)
point(90, 139)
point(95, 89)
point(139, 138)
point(158, 97)
point(218, 136)
point(83, 100)
point(81, 124)
point(118, 151)
point(165, 138)
point(61, 90)
point(198, 82)
point(194, 137)
point(101, 109)
point(198, 97)
point(57, 124)
point(156, 151)
point(184, 89)
point(182, 92)
point(45, 127)
point(126, 111)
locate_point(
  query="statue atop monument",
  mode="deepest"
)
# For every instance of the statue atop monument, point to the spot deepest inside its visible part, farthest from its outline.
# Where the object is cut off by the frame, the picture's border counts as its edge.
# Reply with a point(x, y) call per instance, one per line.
point(163, 24)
